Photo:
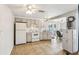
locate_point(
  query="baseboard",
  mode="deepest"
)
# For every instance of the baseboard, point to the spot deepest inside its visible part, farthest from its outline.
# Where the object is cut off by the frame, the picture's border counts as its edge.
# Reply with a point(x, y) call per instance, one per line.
point(69, 53)
point(29, 42)
point(45, 40)
point(11, 50)
point(20, 44)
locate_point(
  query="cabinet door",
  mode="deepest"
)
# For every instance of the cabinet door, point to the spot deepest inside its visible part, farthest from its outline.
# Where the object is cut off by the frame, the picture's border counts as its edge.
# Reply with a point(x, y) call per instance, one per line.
point(70, 41)
point(20, 37)
point(64, 41)
point(44, 35)
point(75, 41)
point(29, 37)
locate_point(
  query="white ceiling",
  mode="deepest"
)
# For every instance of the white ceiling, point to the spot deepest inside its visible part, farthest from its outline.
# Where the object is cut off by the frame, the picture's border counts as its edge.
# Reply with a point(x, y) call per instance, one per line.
point(51, 10)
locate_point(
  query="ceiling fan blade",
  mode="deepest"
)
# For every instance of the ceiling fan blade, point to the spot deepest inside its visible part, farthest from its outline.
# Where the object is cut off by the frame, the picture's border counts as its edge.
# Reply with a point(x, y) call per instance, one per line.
point(41, 11)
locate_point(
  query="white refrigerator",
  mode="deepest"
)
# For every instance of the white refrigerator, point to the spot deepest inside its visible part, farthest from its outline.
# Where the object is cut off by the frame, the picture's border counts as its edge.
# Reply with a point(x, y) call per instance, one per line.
point(20, 33)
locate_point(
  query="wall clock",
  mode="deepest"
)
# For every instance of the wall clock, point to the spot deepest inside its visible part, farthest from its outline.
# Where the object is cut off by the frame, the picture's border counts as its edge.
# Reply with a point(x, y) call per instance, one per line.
point(70, 18)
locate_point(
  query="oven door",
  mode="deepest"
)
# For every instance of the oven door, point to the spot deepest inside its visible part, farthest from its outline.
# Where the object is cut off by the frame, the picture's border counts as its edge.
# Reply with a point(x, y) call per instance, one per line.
point(35, 37)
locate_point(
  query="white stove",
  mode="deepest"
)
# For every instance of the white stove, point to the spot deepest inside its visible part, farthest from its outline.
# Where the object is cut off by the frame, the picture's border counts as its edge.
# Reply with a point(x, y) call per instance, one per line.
point(35, 36)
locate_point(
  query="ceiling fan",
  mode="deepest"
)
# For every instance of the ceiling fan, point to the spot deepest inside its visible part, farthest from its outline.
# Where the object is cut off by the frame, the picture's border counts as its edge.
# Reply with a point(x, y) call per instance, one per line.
point(33, 8)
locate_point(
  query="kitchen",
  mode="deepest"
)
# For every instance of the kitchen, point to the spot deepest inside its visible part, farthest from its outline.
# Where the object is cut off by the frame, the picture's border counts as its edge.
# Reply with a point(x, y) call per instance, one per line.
point(30, 31)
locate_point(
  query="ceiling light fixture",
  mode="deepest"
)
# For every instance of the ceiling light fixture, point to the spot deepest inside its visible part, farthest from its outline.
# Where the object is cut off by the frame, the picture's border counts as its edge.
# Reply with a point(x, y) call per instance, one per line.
point(30, 9)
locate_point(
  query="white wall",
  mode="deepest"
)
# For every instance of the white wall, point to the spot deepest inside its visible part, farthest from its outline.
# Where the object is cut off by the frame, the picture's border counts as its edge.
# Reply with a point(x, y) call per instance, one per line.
point(6, 30)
